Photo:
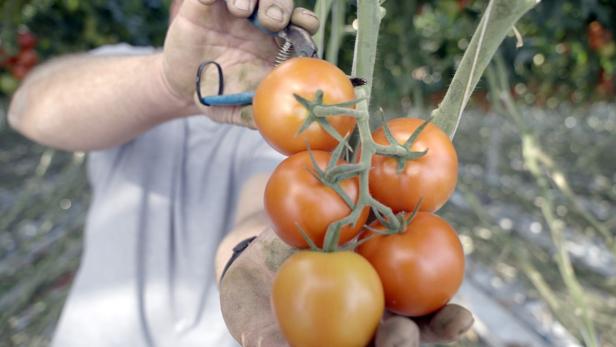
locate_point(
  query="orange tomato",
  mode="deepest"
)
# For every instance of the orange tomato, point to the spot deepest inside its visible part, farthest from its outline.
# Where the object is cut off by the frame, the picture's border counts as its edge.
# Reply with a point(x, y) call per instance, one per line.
point(279, 116)
point(327, 299)
point(421, 268)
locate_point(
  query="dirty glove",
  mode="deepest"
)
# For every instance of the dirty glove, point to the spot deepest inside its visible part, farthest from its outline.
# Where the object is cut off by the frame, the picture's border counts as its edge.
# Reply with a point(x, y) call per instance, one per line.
point(245, 292)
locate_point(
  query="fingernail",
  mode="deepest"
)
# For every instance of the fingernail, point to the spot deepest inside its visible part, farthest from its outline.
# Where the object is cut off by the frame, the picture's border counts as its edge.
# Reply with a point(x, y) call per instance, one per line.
point(274, 12)
point(243, 5)
point(308, 13)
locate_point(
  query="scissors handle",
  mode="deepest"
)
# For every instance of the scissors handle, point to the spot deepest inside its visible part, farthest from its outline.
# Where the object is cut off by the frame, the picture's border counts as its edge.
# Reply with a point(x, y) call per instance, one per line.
point(238, 99)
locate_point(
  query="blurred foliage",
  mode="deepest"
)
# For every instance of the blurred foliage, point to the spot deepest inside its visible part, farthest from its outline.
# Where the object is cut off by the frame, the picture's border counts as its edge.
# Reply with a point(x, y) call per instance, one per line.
point(419, 53)
point(421, 42)
point(66, 26)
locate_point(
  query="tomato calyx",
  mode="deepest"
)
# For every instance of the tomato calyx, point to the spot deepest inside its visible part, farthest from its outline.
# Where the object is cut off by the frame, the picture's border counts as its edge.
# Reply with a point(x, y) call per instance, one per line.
point(402, 152)
point(404, 219)
point(331, 176)
point(312, 107)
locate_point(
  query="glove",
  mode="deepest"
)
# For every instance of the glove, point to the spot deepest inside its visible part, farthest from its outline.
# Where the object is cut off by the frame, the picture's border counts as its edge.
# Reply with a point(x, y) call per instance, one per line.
point(206, 30)
point(245, 291)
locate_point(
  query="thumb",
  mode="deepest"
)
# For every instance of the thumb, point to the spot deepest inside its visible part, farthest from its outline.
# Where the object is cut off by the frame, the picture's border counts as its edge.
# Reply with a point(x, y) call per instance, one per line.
point(397, 331)
point(197, 11)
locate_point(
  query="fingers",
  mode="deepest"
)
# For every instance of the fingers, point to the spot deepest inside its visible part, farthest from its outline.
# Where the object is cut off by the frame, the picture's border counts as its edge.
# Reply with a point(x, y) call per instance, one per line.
point(196, 10)
point(397, 331)
point(269, 336)
point(274, 15)
point(447, 325)
point(305, 19)
point(241, 8)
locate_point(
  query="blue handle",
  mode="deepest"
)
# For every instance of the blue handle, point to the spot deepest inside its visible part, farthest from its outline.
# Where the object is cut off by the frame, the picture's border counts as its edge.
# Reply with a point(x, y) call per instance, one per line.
point(239, 99)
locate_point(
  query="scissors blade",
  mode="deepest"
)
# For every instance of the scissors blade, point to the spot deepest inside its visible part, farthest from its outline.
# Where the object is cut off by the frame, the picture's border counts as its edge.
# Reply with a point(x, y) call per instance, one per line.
point(303, 44)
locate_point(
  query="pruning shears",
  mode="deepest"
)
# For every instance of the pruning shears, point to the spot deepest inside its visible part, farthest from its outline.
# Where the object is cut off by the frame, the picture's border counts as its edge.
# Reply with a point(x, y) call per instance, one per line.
point(293, 41)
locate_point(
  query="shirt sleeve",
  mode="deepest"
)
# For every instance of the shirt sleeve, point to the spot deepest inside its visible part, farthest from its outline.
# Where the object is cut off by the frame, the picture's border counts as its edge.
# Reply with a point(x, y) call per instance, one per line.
point(255, 156)
point(122, 49)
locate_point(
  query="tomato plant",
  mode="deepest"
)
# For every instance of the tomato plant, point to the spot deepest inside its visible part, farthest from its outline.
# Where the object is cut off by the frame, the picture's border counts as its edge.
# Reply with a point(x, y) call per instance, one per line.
point(295, 198)
point(19, 71)
point(27, 58)
point(26, 40)
point(327, 299)
point(421, 268)
point(279, 116)
point(20, 63)
point(431, 178)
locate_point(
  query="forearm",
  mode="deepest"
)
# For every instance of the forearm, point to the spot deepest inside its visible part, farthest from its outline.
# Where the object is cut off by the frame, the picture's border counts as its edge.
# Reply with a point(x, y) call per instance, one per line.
point(87, 102)
point(250, 220)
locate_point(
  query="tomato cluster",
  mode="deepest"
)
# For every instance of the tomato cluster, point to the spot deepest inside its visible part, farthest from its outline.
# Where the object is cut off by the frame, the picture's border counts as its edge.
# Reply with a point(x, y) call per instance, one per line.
point(337, 298)
point(20, 64)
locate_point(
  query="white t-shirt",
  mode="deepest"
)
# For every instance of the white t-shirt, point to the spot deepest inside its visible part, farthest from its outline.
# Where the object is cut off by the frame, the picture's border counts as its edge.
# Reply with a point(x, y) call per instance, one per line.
point(161, 204)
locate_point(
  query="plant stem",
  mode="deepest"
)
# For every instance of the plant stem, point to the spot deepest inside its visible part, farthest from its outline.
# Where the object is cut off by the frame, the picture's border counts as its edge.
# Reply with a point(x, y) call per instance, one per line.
point(336, 33)
point(369, 21)
point(362, 167)
point(322, 8)
point(531, 153)
point(497, 21)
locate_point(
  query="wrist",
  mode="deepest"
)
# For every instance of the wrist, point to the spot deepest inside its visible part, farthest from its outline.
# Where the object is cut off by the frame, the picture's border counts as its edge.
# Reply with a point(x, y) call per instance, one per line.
point(179, 105)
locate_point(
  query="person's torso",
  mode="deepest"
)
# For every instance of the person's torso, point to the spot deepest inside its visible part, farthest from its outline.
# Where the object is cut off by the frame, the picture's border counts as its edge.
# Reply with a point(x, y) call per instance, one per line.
point(161, 204)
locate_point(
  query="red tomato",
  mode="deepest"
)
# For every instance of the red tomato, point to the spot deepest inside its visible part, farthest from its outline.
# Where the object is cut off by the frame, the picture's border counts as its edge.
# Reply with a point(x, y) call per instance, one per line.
point(19, 71)
point(26, 40)
point(327, 299)
point(279, 116)
point(421, 268)
point(294, 197)
point(27, 58)
point(432, 177)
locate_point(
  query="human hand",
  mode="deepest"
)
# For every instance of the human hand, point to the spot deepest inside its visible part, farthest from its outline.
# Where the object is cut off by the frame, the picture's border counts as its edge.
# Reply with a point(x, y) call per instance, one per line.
point(218, 30)
point(245, 292)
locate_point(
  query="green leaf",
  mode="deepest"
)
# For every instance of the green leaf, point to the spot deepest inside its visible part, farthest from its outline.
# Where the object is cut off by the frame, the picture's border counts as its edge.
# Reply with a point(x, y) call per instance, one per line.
point(495, 24)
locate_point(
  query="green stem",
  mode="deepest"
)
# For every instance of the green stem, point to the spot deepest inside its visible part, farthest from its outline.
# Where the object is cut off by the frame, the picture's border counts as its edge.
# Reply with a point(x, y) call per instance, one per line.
point(368, 150)
point(496, 23)
point(326, 111)
point(369, 21)
point(336, 33)
point(321, 9)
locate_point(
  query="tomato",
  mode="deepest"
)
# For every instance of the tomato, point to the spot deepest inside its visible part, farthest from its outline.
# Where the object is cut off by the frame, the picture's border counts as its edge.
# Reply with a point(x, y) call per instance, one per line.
point(294, 197)
point(432, 177)
point(19, 71)
point(327, 299)
point(26, 40)
point(27, 58)
point(421, 268)
point(279, 116)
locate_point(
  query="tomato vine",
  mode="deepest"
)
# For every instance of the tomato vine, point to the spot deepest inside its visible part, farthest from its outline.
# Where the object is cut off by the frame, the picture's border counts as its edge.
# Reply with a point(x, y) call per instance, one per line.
point(498, 20)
